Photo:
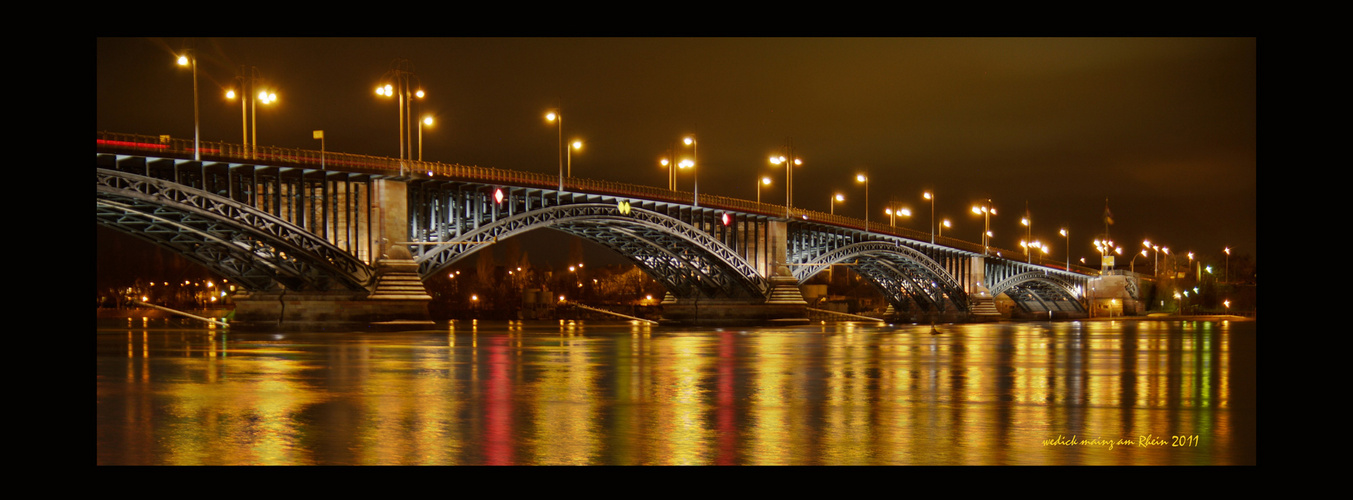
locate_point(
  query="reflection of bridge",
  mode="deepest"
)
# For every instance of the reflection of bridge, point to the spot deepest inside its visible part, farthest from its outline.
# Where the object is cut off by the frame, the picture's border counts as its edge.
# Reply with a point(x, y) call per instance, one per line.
point(292, 226)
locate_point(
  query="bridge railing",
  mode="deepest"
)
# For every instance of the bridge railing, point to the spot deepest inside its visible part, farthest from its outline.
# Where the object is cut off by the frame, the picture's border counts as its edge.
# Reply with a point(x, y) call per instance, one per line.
point(169, 147)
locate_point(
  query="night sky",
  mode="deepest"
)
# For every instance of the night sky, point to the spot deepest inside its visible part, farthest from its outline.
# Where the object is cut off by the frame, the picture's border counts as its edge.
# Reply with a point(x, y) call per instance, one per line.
point(1164, 129)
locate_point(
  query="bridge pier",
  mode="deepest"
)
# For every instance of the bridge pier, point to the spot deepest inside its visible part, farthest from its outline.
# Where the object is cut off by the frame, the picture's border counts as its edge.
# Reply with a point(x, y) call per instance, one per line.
point(784, 305)
point(398, 297)
point(979, 295)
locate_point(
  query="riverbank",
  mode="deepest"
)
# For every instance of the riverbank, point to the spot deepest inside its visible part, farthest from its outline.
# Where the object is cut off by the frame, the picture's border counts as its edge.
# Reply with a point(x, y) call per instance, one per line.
point(146, 312)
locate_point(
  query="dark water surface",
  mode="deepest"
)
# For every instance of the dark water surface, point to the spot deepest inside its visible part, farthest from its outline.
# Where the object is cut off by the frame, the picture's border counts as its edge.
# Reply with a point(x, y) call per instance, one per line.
point(1138, 392)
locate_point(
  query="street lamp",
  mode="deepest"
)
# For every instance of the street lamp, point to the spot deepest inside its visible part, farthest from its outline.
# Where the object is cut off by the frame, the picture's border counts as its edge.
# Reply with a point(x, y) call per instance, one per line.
point(427, 122)
point(929, 196)
point(690, 141)
point(1067, 234)
point(835, 198)
point(185, 60)
point(1155, 252)
point(576, 145)
point(558, 119)
point(865, 179)
point(986, 211)
point(765, 181)
point(943, 224)
point(669, 163)
point(1227, 276)
point(892, 215)
point(1028, 232)
point(1106, 247)
point(789, 161)
point(401, 81)
point(248, 78)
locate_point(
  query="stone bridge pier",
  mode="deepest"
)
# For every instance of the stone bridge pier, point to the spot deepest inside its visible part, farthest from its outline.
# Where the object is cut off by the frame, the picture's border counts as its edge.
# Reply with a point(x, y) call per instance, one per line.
point(398, 299)
point(783, 305)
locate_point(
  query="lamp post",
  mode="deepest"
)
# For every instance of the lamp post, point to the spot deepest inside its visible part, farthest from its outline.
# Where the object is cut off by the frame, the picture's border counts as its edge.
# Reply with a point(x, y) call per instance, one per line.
point(865, 179)
point(765, 181)
point(892, 215)
point(943, 224)
point(190, 58)
point(1155, 252)
point(986, 211)
point(835, 198)
point(1067, 234)
point(930, 196)
point(558, 119)
point(1227, 276)
point(1028, 233)
point(427, 122)
point(695, 175)
point(575, 145)
point(787, 157)
point(669, 163)
point(402, 82)
point(1106, 247)
point(248, 79)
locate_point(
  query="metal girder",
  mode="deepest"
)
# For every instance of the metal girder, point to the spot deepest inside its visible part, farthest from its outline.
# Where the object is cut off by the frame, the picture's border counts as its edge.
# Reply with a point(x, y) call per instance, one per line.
point(252, 247)
point(900, 271)
point(690, 262)
point(1040, 288)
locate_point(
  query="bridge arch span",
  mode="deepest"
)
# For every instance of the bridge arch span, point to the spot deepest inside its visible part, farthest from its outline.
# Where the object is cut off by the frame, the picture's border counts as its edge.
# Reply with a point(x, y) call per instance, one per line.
point(687, 261)
point(904, 275)
point(1040, 291)
point(250, 247)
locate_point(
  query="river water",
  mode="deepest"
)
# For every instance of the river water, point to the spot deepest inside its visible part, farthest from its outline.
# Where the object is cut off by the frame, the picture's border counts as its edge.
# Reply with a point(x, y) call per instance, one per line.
point(1135, 392)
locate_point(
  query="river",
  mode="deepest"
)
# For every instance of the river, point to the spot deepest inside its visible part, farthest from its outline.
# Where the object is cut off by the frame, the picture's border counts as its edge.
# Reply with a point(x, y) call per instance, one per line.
point(1134, 392)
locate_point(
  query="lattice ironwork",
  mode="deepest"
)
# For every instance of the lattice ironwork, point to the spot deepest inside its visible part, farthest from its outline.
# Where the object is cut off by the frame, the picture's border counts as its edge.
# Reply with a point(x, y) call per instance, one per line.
point(1039, 287)
point(688, 261)
point(902, 273)
point(251, 247)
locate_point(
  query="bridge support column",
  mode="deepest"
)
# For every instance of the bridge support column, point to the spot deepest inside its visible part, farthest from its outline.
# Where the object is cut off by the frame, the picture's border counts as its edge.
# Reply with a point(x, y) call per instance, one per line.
point(398, 299)
point(983, 304)
point(784, 305)
point(1114, 295)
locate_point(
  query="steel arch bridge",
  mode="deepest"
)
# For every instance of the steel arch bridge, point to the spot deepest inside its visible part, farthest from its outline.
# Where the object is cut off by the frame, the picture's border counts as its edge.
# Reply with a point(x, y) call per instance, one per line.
point(277, 219)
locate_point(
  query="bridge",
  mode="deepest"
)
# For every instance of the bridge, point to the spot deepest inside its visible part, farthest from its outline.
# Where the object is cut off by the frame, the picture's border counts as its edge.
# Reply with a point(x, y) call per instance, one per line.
point(316, 236)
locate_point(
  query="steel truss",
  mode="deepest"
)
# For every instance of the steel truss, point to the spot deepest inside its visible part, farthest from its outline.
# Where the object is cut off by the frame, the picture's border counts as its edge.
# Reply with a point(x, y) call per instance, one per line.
point(255, 249)
point(904, 274)
point(690, 262)
point(1048, 291)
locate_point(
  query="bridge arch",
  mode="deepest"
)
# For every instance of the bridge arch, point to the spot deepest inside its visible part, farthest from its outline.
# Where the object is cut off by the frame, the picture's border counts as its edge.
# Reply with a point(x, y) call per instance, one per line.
point(689, 262)
point(1040, 291)
point(904, 275)
point(250, 247)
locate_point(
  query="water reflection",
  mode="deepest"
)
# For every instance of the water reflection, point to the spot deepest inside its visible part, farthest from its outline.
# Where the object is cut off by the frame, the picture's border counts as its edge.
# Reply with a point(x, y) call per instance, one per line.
point(569, 393)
